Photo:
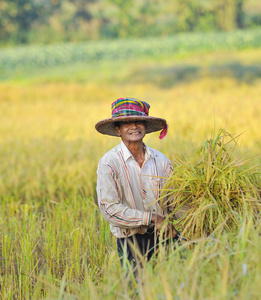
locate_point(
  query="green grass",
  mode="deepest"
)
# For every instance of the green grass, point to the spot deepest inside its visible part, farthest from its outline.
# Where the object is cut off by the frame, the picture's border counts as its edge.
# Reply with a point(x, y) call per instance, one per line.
point(22, 60)
point(242, 66)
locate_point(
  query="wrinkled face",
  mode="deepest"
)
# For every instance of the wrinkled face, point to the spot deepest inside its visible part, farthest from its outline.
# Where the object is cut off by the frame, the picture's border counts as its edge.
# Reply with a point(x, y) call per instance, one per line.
point(131, 131)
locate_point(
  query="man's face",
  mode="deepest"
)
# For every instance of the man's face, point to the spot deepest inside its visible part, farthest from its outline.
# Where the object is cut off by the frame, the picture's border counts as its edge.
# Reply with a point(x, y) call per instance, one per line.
point(131, 131)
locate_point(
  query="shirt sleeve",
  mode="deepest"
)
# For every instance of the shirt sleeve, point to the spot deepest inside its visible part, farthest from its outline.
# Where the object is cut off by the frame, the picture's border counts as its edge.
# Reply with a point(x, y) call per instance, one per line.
point(110, 204)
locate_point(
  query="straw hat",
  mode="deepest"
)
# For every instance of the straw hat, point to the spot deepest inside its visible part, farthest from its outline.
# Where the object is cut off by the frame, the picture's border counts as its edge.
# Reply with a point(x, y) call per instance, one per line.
point(131, 109)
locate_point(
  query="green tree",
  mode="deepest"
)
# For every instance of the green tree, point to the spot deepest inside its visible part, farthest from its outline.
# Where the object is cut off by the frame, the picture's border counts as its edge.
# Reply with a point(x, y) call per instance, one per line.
point(119, 18)
point(17, 17)
point(240, 15)
point(230, 14)
point(195, 15)
point(137, 18)
point(46, 21)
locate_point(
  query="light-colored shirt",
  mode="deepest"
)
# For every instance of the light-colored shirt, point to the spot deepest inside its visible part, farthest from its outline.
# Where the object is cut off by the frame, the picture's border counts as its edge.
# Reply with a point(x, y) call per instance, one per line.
point(128, 193)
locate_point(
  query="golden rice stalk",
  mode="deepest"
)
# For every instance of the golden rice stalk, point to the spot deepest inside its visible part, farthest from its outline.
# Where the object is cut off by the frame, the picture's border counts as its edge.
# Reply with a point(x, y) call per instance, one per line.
point(212, 188)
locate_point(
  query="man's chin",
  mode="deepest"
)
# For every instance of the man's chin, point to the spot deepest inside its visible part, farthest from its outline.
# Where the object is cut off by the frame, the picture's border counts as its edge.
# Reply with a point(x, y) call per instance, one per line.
point(135, 139)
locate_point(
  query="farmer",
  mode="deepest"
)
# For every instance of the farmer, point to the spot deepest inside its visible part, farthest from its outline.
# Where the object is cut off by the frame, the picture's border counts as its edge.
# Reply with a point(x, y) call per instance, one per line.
point(129, 178)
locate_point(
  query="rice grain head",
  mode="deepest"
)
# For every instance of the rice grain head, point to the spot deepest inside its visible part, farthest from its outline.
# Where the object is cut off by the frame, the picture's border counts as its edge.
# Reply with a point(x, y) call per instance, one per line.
point(214, 187)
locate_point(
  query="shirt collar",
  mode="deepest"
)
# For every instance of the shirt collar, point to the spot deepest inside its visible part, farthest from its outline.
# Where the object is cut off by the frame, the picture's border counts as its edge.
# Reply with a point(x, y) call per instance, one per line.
point(127, 154)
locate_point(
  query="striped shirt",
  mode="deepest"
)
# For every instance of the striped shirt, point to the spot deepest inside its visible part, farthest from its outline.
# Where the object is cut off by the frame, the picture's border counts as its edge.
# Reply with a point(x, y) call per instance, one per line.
point(127, 193)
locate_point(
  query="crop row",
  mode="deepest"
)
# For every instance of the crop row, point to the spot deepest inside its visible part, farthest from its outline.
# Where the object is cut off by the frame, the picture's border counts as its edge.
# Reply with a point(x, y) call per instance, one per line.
point(41, 56)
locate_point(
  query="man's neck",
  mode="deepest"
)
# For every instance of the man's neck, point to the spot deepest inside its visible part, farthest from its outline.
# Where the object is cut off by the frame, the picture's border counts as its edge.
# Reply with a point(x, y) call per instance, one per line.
point(137, 150)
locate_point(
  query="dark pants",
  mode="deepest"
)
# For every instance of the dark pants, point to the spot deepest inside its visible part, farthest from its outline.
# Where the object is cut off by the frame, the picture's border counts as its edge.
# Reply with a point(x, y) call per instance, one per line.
point(143, 245)
point(137, 246)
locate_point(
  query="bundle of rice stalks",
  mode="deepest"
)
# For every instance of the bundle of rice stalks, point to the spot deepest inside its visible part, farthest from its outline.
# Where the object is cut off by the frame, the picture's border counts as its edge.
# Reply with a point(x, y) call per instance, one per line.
point(212, 188)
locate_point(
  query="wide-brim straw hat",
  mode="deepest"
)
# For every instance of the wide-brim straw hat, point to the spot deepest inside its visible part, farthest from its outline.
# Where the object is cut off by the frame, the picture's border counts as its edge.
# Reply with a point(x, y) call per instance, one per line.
point(131, 109)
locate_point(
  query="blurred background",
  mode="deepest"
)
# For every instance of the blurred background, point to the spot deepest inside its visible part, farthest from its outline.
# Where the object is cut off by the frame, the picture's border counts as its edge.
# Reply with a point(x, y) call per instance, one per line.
point(52, 21)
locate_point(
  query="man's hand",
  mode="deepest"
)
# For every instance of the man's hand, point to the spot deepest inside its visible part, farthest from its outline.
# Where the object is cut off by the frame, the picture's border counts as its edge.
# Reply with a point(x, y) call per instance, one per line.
point(169, 229)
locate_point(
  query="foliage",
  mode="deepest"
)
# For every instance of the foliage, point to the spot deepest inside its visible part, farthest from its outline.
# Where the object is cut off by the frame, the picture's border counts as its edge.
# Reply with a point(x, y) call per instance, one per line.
point(46, 21)
point(17, 17)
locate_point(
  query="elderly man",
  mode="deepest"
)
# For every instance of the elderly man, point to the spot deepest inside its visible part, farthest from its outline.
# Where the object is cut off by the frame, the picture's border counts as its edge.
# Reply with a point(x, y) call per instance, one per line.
point(130, 177)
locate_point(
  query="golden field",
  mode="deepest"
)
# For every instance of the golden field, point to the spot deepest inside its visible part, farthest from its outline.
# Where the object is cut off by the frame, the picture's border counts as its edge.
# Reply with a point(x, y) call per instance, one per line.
point(54, 242)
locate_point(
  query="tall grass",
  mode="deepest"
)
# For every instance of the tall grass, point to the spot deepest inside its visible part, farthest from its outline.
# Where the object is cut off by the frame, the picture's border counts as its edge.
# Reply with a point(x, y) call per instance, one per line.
point(41, 242)
point(54, 251)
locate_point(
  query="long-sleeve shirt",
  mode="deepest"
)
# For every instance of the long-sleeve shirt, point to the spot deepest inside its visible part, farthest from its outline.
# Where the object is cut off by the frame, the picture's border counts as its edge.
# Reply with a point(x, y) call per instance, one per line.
point(128, 193)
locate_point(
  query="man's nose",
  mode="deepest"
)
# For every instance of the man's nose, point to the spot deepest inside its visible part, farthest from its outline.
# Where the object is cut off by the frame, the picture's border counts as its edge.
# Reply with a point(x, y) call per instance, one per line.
point(133, 124)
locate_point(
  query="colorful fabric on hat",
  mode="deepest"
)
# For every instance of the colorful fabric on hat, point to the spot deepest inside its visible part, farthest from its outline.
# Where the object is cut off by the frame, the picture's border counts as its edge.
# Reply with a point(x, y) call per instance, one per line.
point(164, 132)
point(129, 107)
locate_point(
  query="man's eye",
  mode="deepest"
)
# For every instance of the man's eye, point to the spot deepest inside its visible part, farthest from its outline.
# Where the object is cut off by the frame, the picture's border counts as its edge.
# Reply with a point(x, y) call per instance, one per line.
point(140, 123)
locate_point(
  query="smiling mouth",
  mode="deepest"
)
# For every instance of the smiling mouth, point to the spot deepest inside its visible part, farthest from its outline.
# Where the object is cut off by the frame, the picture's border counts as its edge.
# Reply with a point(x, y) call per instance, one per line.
point(136, 132)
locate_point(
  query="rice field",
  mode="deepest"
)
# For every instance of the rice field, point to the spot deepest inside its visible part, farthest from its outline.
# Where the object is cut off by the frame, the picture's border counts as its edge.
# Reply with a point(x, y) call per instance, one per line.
point(54, 243)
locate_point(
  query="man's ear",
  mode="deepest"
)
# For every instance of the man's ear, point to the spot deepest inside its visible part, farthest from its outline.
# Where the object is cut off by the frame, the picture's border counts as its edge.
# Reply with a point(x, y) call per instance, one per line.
point(117, 130)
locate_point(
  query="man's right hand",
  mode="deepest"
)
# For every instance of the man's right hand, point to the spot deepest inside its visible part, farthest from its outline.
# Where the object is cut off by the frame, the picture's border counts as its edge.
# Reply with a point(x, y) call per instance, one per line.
point(169, 229)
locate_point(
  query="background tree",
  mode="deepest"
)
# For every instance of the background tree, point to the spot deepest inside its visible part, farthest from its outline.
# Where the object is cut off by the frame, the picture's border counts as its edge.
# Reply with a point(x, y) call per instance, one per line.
point(18, 17)
point(240, 14)
point(48, 21)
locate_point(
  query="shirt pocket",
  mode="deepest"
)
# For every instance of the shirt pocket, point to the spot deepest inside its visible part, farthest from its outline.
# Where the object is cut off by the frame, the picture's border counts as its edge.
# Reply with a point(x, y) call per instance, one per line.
point(158, 182)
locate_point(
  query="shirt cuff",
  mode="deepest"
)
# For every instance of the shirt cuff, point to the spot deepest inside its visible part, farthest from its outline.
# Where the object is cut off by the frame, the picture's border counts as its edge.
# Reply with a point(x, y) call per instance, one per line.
point(146, 219)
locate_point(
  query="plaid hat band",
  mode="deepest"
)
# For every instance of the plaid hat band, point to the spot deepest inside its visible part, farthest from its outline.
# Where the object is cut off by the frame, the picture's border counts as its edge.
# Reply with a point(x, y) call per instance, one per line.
point(129, 107)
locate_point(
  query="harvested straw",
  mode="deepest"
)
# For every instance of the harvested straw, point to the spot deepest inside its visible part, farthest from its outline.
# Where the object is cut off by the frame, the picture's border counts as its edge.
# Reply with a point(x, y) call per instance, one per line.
point(212, 188)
